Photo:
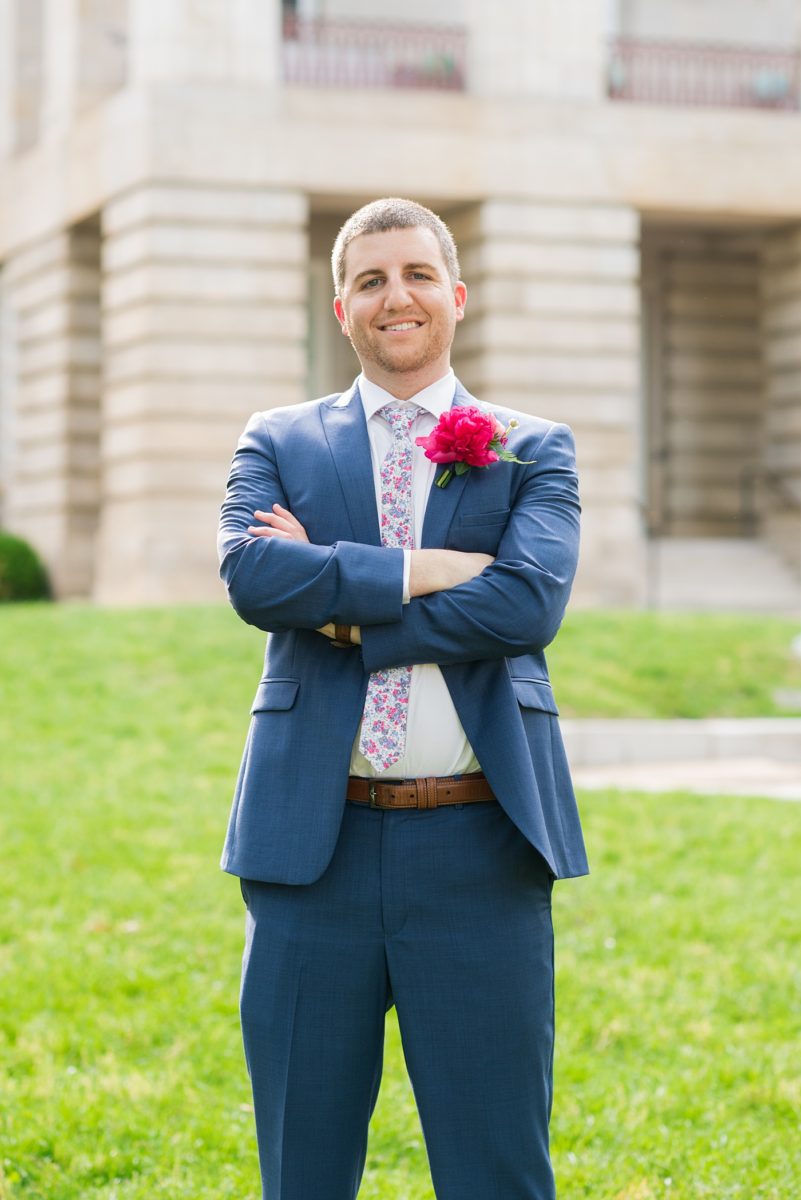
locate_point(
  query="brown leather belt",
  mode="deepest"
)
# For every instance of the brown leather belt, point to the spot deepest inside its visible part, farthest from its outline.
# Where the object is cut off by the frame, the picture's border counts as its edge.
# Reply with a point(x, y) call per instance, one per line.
point(430, 792)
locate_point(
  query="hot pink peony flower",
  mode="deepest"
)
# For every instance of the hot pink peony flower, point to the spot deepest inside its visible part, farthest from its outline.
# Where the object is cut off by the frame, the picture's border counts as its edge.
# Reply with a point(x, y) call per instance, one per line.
point(468, 437)
point(462, 435)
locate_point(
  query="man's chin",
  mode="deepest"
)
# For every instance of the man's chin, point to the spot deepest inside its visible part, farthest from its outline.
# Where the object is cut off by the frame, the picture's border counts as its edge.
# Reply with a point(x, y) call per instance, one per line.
point(405, 364)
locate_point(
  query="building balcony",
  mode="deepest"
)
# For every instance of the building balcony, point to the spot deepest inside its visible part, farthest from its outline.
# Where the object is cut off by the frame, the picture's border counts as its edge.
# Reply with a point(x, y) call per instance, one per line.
point(373, 54)
point(698, 74)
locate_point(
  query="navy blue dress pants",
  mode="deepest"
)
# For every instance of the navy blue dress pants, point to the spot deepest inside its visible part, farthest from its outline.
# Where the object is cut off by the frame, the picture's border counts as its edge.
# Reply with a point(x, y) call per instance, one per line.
point(445, 913)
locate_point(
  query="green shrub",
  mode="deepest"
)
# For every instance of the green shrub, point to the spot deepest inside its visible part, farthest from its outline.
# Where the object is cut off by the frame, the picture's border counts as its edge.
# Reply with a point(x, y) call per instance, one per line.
point(22, 576)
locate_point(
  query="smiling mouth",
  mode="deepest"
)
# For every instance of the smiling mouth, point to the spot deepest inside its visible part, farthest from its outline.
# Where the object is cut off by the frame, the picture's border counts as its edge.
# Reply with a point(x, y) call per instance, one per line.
point(401, 326)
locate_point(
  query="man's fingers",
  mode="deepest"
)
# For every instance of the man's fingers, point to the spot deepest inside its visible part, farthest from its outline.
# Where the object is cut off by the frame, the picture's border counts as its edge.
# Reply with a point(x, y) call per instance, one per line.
point(278, 514)
point(271, 516)
point(281, 519)
point(276, 522)
point(265, 531)
point(286, 515)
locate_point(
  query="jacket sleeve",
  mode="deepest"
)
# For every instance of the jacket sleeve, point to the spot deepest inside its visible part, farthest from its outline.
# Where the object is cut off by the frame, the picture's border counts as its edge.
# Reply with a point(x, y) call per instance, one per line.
point(277, 584)
point(515, 606)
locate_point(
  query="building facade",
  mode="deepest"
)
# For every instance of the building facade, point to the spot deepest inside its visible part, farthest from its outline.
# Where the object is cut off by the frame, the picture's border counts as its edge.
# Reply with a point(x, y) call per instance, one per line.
point(624, 183)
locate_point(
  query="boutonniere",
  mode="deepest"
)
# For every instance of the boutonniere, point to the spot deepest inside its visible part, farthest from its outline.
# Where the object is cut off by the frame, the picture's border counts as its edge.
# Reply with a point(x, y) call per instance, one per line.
point(469, 438)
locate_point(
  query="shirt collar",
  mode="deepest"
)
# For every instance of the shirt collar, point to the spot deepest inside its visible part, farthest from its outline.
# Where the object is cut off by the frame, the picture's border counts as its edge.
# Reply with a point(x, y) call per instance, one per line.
point(436, 399)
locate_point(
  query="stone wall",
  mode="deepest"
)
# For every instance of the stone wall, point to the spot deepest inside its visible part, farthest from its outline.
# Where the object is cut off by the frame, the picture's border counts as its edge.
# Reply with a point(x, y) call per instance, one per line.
point(705, 381)
point(748, 23)
point(414, 12)
point(333, 364)
point(23, 27)
point(53, 483)
point(781, 284)
point(8, 398)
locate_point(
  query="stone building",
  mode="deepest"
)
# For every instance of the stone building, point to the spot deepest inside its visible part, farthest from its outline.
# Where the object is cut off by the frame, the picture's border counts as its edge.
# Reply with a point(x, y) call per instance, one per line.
point(624, 180)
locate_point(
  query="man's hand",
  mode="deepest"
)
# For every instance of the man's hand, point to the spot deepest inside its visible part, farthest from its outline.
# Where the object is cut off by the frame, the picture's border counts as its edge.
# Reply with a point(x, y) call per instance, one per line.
point(438, 570)
point(280, 524)
point(330, 632)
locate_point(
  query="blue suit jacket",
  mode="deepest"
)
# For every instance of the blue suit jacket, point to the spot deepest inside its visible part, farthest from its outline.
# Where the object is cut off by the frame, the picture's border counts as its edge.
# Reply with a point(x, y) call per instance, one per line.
point(487, 635)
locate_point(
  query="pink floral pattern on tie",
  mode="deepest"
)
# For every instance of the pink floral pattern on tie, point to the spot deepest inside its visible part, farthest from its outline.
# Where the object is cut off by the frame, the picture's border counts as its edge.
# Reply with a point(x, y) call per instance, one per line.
point(386, 707)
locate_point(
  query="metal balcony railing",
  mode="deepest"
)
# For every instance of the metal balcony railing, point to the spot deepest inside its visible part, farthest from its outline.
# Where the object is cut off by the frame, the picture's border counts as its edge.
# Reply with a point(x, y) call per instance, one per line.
point(697, 74)
point(349, 54)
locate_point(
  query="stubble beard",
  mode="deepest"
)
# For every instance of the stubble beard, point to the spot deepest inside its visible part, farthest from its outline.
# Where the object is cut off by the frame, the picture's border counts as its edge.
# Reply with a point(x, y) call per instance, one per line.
point(369, 350)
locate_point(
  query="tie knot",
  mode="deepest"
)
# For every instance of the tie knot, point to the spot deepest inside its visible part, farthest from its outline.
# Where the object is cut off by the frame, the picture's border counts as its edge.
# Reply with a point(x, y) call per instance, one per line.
point(401, 417)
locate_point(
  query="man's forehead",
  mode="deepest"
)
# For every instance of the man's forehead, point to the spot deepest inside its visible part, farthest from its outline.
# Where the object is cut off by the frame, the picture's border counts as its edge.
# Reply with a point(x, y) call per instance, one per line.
point(412, 245)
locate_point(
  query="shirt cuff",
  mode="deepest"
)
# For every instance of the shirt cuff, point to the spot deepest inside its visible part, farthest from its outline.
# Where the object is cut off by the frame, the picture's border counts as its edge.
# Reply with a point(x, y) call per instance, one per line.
point(407, 571)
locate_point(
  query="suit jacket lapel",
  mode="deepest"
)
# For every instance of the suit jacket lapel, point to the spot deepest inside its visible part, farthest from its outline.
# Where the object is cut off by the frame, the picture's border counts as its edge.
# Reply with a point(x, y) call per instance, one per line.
point(346, 430)
point(443, 502)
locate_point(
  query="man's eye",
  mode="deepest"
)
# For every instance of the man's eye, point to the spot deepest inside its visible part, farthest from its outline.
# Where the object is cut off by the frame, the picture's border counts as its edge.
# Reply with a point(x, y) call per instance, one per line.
point(369, 282)
point(419, 275)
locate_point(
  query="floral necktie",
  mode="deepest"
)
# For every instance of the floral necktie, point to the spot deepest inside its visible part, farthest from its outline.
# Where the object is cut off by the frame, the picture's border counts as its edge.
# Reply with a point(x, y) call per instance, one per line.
point(386, 707)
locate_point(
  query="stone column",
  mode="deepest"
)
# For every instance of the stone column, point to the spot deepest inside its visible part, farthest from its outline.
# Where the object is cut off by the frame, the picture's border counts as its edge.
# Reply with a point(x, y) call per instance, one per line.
point(204, 321)
point(781, 293)
point(52, 499)
point(552, 328)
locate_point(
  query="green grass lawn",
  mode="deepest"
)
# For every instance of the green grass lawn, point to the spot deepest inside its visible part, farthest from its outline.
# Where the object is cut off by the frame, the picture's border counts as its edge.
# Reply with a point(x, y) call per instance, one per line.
point(121, 1072)
point(622, 664)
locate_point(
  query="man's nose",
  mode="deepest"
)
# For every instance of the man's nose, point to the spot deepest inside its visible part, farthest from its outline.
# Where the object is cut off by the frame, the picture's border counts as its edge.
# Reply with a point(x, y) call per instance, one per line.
point(396, 294)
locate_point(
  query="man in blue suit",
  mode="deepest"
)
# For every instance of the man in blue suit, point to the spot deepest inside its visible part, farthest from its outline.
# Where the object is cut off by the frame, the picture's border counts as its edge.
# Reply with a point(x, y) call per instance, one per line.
point(403, 803)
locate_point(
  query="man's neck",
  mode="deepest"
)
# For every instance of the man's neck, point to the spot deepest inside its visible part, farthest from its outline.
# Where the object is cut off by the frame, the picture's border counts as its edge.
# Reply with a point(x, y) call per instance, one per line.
point(404, 386)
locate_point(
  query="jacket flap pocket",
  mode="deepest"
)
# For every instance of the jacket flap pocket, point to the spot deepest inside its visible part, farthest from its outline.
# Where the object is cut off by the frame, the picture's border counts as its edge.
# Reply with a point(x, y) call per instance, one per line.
point(535, 693)
point(275, 694)
point(497, 516)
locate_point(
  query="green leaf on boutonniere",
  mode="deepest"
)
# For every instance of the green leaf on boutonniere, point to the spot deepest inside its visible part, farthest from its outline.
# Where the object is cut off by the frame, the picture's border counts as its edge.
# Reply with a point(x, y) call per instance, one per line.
point(462, 468)
point(507, 456)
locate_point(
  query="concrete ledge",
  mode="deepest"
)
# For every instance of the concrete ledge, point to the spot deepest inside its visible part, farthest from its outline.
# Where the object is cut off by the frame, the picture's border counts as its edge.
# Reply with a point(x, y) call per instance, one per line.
point(760, 777)
point(596, 742)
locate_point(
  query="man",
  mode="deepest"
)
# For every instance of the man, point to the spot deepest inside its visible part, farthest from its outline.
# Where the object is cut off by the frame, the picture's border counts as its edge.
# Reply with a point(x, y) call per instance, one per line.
point(403, 803)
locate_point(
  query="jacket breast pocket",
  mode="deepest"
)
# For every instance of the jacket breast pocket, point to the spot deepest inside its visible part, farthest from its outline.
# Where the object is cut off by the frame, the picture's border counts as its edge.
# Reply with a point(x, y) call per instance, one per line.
point(495, 516)
point(535, 693)
point(479, 532)
point(275, 695)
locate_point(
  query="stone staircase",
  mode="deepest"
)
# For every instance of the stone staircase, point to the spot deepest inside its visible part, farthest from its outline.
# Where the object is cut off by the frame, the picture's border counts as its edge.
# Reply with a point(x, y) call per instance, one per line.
point(726, 574)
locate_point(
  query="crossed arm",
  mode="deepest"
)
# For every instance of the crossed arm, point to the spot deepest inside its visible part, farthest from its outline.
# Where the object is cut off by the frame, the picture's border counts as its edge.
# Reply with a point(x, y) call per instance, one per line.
point(463, 607)
point(430, 570)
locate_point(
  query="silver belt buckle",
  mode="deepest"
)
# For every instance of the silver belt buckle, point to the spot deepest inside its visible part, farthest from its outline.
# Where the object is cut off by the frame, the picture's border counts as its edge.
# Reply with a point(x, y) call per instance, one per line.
point(372, 792)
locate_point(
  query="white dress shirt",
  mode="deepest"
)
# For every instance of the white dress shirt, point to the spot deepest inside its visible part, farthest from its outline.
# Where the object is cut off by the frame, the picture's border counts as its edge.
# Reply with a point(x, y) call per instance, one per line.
point(436, 743)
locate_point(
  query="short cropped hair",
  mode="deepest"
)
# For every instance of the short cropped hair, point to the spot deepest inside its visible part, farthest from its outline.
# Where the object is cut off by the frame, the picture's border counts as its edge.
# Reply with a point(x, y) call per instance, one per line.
point(392, 213)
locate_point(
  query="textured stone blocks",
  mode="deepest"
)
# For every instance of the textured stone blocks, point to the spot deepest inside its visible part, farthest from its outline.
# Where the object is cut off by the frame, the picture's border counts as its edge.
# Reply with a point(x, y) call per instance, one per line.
point(204, 315)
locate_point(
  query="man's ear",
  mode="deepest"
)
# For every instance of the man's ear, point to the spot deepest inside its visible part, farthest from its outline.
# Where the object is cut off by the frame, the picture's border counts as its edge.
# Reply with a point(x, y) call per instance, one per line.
point(339, 309)
point(460, 299)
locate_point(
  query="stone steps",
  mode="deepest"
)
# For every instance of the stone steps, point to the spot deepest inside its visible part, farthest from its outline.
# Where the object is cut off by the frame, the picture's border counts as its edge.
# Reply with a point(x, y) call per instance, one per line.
point(726, 574)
